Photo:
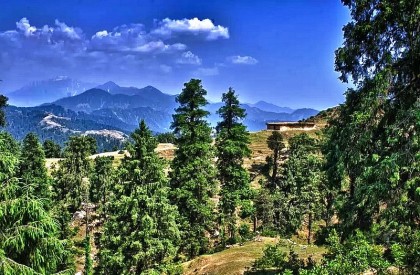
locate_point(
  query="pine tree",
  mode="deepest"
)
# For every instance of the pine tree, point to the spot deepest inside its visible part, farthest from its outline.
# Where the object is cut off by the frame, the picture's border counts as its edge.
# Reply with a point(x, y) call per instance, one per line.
point(29, 242)
point(276, 144)
point(140, 233)
point(232, 147)
point(70, 177)
point(32, 166)
point(3, 103)
point(193, 173)
point(51, 149)
point(302, 185)
point(374, 140)
point(101, 180)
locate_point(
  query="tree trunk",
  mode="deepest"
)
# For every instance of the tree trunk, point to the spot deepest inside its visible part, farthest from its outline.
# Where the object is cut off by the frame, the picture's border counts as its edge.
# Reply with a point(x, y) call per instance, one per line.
point(309, 228)
point(255, 224)
point(275, 168)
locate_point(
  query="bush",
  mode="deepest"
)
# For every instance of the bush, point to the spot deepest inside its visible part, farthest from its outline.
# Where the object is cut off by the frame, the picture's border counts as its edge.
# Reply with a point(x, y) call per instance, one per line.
point(273, 256)
point(284, 263)
point(322, 234)
point(244, 232)
point(269, 232)
point(355, 256)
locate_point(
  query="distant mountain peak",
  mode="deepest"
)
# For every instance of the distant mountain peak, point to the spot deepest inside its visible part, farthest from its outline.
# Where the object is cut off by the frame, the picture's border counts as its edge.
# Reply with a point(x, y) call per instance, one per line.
point(111, 84)
point(270, 107)
point(108, 86)
point(150, 89)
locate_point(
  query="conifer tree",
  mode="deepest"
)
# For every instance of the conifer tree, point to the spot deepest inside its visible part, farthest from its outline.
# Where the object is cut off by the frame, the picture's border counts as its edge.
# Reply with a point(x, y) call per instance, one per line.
point(276, 144)
point(3, 103)
point(29, 242)
point(140, 233)
point(301, 186)
point(32, 167)
point(70, 177)
point(51, 149)
point(101, 179)
point(374, 140)
point(232, 147)
point(193, 173)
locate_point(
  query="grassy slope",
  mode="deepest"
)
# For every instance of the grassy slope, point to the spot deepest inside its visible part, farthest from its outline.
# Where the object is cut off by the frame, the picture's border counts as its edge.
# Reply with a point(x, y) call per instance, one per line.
point(238, 259)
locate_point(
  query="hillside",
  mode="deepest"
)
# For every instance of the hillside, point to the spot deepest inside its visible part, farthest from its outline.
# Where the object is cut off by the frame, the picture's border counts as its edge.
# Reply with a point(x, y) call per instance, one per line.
point(238, 259)
point(56, 123)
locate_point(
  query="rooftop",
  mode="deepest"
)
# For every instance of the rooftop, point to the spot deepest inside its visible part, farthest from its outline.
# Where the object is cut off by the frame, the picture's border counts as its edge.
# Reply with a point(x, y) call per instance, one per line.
point(289, 123)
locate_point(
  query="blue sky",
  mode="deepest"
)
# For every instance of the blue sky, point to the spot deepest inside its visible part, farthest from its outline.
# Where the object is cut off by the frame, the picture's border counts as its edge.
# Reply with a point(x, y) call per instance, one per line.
point(278, 51)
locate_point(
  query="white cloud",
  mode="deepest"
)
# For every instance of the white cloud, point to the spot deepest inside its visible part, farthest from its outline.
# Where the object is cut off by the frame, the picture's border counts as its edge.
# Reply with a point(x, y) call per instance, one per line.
point(168, 27)
point(24, 26)
point(37, 51)
point(101, 34)
point(189, 58)
point(70, 32)
point(207, 71)
point(246, 60)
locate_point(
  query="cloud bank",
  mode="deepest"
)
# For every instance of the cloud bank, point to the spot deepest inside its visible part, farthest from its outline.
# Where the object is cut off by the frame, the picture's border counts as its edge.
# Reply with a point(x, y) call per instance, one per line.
point(59, 47)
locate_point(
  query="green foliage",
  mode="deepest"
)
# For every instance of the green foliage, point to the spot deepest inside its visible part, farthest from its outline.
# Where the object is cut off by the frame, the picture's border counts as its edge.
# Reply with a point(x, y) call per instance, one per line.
point(301, 189)
point(355, 256)
point(9, 157)
point(32, 167)
point(140, 231)
point(232, 147)
point(29, 242)
point(406, 252)
point(168, 137)
point(88, 258)
point(244, 232)
point(372, 153)
point(192, 171)
point(275, 257)
point(101, 180)
point(264, 208)
point(51, 149)
point(276, 144)
point(3, 103)
point(70, 179)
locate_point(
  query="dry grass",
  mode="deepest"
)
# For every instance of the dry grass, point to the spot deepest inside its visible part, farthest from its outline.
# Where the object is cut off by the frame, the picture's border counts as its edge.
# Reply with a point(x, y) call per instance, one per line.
point(165, 150)
point(234, 260)
point(238, 259)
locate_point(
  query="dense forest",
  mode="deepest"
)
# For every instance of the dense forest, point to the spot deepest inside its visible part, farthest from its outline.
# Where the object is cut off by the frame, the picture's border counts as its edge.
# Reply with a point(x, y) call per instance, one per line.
point(354, 188)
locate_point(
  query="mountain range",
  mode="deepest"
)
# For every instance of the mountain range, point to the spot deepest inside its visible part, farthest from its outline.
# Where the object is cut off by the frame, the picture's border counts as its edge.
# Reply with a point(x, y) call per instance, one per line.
point(110, 112)
point(39, 92)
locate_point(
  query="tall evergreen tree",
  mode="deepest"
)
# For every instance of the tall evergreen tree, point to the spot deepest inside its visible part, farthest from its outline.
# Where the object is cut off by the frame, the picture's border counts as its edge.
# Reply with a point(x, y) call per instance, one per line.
point(276, 144)
point(32, 166)
point(101, 179)
point(193, 173)
point(29, 242)
point(301, 185)
point(51, 149)
point(70, 178)
point(374, 140)
point(232, 147)
point(140, 233)
point(3, 103)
